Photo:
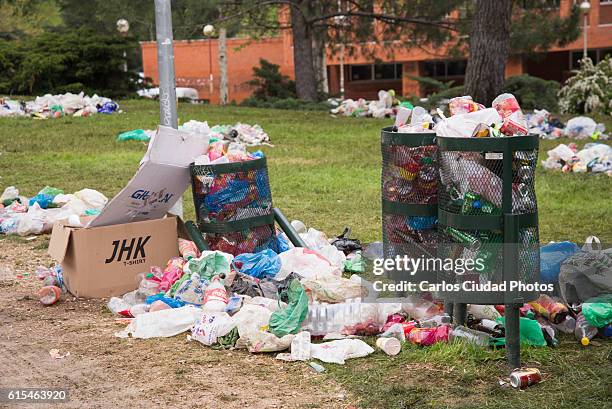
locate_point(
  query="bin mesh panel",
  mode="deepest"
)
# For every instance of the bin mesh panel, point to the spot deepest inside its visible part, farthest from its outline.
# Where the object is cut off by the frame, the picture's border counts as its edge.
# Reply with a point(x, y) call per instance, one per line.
point(230, 197)
point(409, 174)
point(472, 182)
point(413, 236)
point(488, 246)
point(224, 197)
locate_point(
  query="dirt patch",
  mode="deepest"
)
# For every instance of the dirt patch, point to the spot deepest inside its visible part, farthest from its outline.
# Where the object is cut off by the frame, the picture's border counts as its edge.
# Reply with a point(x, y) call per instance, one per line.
point(105, 371)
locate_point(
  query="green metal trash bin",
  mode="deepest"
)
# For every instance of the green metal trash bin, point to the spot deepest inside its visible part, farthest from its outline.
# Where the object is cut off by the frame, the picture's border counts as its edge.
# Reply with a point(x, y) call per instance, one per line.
point(233, 205)
point(487, 211)
point(409, 190)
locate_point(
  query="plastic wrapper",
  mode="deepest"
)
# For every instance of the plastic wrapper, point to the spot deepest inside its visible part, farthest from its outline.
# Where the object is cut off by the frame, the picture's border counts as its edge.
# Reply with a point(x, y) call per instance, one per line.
point(429, 336)
point(266, 263)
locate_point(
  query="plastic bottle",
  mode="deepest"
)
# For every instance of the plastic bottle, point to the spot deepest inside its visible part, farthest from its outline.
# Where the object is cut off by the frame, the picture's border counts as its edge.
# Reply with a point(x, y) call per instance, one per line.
point(472, 336)
point(584, 331)
point(324, 318)
point(434, 321)
point(215, 295)
point(419, 308)
point(483, 311)
point(138, 309)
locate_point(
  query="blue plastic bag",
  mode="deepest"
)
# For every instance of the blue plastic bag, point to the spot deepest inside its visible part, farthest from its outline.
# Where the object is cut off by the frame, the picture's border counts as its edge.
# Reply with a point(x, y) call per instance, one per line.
point(174, 303)
point(266, 263)
point(43, 200)
point(552, 256)
point(108, 107)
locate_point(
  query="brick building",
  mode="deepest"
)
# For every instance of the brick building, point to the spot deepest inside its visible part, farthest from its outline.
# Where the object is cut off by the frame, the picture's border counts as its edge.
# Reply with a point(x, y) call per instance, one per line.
point(362, 78)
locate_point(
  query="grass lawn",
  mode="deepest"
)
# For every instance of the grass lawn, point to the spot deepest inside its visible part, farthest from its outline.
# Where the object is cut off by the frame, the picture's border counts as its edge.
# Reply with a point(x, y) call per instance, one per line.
point(326, 172)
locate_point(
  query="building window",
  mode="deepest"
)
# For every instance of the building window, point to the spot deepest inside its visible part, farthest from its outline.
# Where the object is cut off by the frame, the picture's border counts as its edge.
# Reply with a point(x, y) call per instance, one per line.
point(361, 72)
point(595, 56)
point(444, 69)
point(371, 72)
point(545, 4)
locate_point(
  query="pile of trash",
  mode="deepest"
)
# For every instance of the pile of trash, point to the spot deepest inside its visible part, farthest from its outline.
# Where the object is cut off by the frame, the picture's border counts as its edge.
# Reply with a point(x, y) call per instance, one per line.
point(298, 301)
point(468, 119)
point(593, 158)
point(244, 134)
point(541, 123)
point(384, 107)
point(37, 215)
point(57, 106)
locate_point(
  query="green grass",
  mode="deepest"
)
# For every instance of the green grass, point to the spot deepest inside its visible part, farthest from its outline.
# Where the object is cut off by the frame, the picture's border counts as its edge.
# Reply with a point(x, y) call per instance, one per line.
point(326, 172)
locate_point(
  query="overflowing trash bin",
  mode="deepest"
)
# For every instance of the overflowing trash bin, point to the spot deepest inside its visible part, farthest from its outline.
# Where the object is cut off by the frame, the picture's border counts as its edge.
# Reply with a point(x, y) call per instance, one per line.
point(487, 211)
point(233, 204)
point(409, 193)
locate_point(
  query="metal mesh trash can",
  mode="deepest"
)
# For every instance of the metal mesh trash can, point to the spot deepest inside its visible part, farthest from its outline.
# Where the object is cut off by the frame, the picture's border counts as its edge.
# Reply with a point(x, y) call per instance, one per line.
point(487, 210)
point(409, 195)
point(233, 205)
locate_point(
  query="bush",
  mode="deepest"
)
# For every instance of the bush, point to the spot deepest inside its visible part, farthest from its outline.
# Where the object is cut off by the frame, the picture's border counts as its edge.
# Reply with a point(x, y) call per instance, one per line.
point(589, 90)
point(533, 92)
point(72, 61)
point(269, 83)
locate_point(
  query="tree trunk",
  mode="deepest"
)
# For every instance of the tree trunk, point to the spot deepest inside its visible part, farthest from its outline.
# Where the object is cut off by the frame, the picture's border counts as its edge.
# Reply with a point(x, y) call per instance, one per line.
point(489, 45)
point(320, 66)
point(305, 79)
point(222, 66)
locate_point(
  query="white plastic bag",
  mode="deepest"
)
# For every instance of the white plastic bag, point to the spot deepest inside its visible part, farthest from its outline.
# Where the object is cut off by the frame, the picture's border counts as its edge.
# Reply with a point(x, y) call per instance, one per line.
point(463, 125)
point(10, 192)
point(92, 198)
point(261, 341)
point(336, 352)
point(333, 289)
point(580, 127)
point(162, 323)
point(211, 326)
point(32, 222)
point(305, 263)
point(268, 303)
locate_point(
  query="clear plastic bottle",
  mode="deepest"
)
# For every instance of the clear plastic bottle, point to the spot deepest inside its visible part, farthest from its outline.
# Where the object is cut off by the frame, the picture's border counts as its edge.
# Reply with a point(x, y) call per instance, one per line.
point(324, 318)
point(215, 295)
point(584, 331)
point(435, 321)
point(472, 336)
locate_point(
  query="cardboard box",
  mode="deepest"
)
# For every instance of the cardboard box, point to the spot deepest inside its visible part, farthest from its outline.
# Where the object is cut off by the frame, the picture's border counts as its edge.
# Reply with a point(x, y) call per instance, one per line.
point(104, 261)
point(161, 179)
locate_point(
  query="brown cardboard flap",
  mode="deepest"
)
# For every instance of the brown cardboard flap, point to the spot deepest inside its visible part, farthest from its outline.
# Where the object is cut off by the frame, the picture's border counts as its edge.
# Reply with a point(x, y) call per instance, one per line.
point(58, 245)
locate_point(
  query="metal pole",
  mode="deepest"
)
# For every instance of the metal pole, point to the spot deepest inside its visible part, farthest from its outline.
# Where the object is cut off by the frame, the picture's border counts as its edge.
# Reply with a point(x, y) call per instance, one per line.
point(165, 64)
point(165, 72)
point(584, 49)
point(210, 80)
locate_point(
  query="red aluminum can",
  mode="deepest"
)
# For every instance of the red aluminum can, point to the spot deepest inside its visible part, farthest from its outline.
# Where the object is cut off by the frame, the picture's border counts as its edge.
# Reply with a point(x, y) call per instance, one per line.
point(523, 378)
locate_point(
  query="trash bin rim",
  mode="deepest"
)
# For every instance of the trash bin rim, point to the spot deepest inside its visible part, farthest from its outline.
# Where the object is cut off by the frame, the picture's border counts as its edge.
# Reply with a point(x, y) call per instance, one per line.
point(236, 225)
point(388, 137)
point(233, 167)
point(512, 143)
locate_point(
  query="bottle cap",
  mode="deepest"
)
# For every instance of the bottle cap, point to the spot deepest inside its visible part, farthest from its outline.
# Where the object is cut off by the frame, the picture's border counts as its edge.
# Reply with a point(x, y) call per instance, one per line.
point(585, 341)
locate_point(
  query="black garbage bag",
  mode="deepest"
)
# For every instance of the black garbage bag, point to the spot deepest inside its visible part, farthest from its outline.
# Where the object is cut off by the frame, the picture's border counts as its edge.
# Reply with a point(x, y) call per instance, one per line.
point(345, 244)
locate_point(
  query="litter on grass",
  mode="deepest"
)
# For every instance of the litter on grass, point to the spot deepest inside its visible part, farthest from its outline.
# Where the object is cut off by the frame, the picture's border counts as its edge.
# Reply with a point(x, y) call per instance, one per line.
point(57, 106)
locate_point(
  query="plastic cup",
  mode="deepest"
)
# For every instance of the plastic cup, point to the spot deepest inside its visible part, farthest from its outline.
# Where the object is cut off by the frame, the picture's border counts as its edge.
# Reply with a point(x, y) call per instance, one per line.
point(390, 346)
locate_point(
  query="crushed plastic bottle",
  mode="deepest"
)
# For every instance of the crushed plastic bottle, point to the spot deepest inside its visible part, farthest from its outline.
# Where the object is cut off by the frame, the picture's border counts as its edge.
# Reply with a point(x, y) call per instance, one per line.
point(584, 331)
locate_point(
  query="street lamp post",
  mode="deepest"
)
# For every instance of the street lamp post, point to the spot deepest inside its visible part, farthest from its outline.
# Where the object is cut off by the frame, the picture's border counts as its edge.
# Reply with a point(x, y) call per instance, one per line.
point(585, 7)
point(123, 26)
point(208, 31)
